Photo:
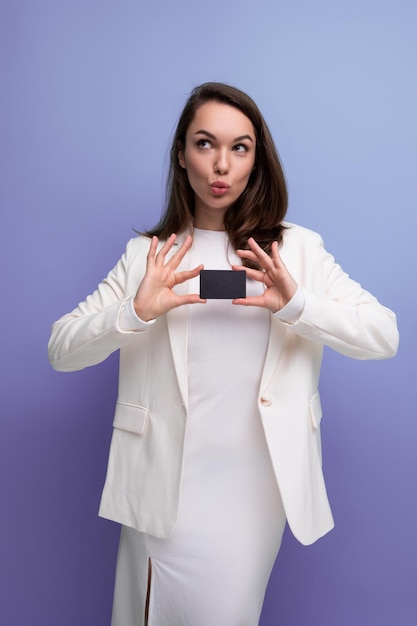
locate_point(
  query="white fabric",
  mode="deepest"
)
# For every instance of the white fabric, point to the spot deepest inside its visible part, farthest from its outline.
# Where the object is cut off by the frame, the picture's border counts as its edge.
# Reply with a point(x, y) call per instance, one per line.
point(128, 319)
point(215, 566)
point(291, 312)
point(144, 472)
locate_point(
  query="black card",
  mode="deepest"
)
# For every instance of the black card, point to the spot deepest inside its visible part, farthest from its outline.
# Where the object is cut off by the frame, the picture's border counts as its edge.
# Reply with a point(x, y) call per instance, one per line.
point(222, 284)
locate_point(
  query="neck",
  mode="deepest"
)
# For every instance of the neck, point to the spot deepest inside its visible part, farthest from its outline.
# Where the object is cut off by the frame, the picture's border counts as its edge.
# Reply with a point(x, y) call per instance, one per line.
point(209, 222)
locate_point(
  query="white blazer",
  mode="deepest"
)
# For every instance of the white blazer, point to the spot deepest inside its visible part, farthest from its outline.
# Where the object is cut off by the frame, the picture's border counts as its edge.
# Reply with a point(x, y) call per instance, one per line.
point(146, 455)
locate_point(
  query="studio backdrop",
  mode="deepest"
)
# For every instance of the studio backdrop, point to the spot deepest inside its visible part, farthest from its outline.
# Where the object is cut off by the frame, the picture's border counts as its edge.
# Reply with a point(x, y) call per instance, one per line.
point(90, 93)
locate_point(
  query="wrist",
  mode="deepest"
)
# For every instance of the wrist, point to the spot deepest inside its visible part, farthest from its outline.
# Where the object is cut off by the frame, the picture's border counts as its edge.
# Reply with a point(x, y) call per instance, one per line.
point(141, 314)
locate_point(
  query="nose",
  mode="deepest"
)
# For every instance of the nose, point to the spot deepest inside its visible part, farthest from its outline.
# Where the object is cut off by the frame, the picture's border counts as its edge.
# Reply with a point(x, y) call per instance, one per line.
point(221, 163)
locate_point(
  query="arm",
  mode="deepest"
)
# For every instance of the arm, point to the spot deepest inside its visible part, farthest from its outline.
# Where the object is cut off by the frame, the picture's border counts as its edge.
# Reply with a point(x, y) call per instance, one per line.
point(347, 318)
point(337, 311)
point(92, 331)
point(95, 329)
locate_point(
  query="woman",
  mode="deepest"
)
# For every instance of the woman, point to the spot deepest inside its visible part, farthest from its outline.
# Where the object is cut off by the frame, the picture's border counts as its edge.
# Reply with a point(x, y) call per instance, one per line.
point(216, 437)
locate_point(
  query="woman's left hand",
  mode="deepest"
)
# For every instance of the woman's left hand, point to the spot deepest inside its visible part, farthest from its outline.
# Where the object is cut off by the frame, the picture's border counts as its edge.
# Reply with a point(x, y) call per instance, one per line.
point(279, 284)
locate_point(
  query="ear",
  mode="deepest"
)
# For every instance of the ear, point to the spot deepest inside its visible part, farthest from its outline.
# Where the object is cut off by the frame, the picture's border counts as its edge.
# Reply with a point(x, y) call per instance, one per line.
point(181, 159)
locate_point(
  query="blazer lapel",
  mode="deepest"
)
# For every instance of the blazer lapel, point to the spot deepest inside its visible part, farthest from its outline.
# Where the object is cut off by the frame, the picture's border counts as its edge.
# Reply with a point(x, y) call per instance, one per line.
point(280, 340)
point(177, 321)
point(277, 339)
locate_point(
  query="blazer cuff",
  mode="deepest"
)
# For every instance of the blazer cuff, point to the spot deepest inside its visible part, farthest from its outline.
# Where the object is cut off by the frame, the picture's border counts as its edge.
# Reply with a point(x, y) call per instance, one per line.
point(291, 312)
point(129, 321)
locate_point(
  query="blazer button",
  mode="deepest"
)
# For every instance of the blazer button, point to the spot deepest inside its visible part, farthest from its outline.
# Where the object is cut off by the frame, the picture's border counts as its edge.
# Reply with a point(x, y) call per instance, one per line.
point(266, 402)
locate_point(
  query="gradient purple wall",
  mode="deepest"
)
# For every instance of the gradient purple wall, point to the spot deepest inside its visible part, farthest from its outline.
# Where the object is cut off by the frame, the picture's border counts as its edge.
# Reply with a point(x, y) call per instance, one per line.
point(90, 92)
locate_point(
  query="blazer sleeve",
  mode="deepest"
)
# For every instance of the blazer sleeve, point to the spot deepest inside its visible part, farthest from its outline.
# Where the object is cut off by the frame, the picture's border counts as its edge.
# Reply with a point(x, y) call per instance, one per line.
point(346, 317)
point(92, 331)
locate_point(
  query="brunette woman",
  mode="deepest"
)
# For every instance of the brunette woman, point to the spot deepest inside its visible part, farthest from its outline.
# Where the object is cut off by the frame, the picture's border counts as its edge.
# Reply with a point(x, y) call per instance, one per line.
point(216, 439)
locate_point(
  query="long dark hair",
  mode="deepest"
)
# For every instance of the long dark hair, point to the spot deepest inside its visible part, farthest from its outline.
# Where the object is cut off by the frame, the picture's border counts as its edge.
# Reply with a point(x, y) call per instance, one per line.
point(260, 209)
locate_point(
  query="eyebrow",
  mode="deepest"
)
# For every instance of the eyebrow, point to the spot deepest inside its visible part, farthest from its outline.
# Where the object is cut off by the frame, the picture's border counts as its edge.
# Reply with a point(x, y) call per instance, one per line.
point(206, 132)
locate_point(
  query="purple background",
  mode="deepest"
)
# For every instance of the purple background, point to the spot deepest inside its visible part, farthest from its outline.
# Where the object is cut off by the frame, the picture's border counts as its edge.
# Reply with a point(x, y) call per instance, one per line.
point(90, 93)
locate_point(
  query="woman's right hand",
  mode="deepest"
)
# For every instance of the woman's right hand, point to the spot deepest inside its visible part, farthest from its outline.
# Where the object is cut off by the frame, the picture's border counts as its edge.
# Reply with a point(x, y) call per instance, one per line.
point(155, 295)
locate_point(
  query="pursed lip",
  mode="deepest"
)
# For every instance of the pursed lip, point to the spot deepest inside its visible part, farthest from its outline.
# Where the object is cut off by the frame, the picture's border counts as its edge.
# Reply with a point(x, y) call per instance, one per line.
point(220, 184)
point(219, 187)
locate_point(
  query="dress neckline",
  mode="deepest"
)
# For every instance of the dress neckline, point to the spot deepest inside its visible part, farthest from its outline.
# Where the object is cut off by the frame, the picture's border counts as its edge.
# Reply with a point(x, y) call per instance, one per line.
point(209, 232)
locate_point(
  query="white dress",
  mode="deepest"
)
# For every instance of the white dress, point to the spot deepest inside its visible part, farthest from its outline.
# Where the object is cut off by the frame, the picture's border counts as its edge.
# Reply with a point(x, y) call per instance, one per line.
point(214, 568)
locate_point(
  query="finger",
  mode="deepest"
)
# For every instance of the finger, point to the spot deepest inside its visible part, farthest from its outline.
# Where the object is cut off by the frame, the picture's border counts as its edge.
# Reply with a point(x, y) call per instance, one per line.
point(152, 250)
point(276, 257)
point(247, 254)
point(180, 253)
point(262, 256)
point(160, 257)
point(274, 248)
point(257, 254)
point(258, 275)
point(191, 298)
point(251, 256)
point(250, 301)
point(181, 277)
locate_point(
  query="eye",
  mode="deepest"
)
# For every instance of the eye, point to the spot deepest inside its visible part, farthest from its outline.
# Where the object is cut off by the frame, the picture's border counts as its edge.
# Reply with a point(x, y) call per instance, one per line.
point(240, 147)
point(204, 144)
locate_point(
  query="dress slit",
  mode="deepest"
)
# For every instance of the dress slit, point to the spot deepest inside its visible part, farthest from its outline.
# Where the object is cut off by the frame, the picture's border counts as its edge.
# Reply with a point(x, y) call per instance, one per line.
point(148, 592)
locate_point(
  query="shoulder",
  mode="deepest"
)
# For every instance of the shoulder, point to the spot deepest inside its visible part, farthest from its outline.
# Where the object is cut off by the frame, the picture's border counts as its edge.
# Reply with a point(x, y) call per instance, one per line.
point(137, 249)
point(293, 234)
point(138, 244)
point(134, 256)
point(302, 249)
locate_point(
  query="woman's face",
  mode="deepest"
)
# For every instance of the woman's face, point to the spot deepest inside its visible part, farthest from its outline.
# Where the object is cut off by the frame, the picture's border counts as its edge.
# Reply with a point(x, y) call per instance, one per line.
point(219, 156)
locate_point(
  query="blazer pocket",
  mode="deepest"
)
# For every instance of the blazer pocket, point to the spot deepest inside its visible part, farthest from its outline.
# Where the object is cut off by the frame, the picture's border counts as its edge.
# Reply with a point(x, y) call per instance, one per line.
point(315, 410)
point(131, 417)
